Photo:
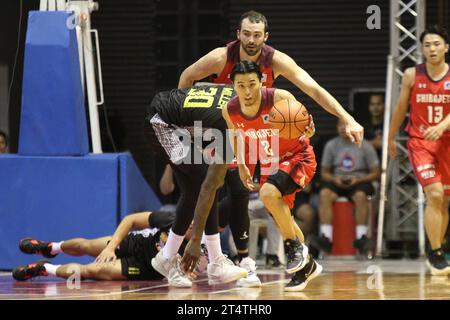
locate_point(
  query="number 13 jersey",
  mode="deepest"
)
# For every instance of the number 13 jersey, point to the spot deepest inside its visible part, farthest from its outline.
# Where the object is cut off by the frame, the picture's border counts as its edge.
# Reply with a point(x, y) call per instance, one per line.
point(429, 103)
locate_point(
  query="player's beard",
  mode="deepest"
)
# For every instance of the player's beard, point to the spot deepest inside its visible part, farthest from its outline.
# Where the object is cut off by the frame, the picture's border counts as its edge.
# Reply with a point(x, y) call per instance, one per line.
point(253, 51)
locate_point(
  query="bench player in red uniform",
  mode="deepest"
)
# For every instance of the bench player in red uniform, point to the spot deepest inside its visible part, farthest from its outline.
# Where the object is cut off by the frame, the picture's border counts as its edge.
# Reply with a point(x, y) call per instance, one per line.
point(426, 87)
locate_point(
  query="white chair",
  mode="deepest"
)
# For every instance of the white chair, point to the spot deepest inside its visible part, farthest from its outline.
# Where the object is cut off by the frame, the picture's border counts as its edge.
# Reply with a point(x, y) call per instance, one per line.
point(255, 225)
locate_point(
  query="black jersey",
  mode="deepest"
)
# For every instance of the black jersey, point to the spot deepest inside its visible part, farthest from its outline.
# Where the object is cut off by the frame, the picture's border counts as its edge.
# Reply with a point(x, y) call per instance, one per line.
point(146, 242)
point(138, 248)
point(182, 107)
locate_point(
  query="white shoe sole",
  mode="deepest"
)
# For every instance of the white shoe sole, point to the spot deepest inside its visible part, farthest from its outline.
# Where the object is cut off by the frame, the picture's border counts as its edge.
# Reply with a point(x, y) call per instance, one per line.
point(235, 277)
point(438, 272)
point(302, 286)
point(157, 266)
point(180, 285)
point(301, 265)
point(249, 284)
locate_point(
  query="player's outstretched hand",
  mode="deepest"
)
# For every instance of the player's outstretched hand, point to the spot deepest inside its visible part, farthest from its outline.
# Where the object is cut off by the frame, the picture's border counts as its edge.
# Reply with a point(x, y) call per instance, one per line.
point(434, 133)
point(106, 256)
point(191, 255)
point(310, 130)
point(246, 177)
point(355, 132)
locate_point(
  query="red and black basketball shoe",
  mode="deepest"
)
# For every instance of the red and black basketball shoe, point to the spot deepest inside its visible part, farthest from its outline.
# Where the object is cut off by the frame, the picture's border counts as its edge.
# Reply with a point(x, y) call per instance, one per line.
point(29, 271)
point(33, 246)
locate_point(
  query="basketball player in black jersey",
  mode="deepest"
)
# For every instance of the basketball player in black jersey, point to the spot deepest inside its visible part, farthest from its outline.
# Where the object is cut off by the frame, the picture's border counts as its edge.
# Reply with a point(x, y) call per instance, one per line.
point(176, 123)
point(123, 256)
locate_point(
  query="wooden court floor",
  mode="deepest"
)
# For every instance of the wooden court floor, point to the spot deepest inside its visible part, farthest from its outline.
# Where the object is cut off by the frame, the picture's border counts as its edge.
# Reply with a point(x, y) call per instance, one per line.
point(341, 279)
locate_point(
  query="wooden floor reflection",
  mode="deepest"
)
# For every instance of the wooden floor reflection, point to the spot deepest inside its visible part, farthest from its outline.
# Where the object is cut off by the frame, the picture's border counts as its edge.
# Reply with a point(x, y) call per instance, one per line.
point(341, 280)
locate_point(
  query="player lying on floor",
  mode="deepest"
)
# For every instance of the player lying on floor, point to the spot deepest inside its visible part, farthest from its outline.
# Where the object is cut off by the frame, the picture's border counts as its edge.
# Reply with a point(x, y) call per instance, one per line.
point(126, 255)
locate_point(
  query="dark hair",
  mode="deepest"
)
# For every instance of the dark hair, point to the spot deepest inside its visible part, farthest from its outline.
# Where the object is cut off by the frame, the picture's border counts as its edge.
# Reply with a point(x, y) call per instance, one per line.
point(254, 17)
point(435, 30)
point(244, 67)
point(376, 94)
point(5, 136)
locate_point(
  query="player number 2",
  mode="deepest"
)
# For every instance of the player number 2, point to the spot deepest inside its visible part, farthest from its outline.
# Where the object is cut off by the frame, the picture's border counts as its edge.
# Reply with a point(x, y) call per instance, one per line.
point(266, 146)
point(435, 114)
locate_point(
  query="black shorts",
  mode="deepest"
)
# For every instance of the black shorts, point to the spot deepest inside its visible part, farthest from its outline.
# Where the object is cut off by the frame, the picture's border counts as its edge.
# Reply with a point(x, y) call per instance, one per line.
point(366, 187)
point(135, 253)
point(283, 182)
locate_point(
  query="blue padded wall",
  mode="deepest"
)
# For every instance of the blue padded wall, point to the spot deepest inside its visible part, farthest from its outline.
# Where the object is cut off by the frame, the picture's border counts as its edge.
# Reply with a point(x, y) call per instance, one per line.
point(55, 198)
point(53, 117)
point(136, 195)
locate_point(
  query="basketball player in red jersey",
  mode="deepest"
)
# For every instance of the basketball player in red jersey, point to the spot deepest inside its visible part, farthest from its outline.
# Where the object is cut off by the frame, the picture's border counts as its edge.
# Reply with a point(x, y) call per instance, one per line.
point(426, 87)
point(295, 163)
point(296, 170)
point(250, 46)
point(217, 65)
point(252, 33)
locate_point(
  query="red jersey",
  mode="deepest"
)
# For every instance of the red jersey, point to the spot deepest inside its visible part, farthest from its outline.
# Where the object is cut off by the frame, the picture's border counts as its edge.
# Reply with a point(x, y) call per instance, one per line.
point(265, 64)
point(430, 102)
point(258, 129)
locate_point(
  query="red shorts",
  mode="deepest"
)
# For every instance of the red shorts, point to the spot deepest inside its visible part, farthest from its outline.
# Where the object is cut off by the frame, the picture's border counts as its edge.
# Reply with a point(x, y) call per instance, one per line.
point(430, 161)
point(300, 166)
point(233, 164)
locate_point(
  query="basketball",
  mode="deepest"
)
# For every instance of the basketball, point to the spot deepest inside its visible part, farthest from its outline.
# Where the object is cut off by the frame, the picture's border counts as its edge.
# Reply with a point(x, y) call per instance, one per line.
point(290, 117)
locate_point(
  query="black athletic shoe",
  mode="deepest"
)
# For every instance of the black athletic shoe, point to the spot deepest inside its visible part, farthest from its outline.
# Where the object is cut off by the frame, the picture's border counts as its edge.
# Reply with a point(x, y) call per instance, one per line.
point(363, 245)
point(236, 260)
point(272, 262)
point(29, 271)
point(297, 255)
point(437, 263)
point(301, 278)
point(33, 246)
point(321, 243)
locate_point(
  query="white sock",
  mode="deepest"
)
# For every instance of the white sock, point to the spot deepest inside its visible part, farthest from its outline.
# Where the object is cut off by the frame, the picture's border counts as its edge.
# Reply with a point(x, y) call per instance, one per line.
point(56, 247)
point(51, 268)
point(361, 230)
point(213, 247)
point(327, 231)
point(172, 245)
point(203, 239)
